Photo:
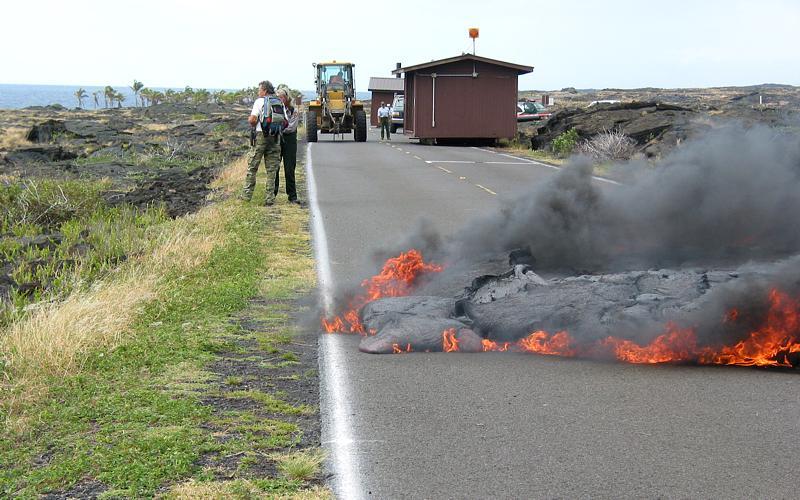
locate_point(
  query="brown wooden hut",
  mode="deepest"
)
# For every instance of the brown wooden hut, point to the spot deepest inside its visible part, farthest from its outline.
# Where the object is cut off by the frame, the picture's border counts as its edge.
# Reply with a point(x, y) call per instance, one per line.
point(463, 97)
point(383, 90)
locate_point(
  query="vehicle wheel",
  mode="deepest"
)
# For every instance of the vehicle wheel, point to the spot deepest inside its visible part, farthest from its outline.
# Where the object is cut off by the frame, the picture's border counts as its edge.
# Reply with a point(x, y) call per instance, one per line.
point(360, 130)
point(393, 128)
point(311, 126)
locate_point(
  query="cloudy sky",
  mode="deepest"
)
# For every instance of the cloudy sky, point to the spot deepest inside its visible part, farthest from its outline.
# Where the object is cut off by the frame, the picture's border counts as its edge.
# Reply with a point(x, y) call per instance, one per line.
point(236, 43)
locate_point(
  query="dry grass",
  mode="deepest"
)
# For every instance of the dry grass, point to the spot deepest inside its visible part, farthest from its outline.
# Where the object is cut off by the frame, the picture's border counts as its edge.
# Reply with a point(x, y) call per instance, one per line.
point(230, 180)
point(52, 340)
point(157, 127)
point(13, 138)
point(241, 488)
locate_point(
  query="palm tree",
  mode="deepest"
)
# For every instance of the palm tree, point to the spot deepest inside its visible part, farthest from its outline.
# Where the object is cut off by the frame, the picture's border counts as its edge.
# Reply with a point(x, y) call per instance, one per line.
point(119, 97)
point(80, 95)
point(146, 95)
point(201, 96)
point(96, 96)
point(108, 95)
point(137, 87)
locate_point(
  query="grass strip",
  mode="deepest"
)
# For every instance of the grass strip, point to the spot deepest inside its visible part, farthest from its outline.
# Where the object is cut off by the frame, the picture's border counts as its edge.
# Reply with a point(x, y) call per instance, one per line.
point(126, 409)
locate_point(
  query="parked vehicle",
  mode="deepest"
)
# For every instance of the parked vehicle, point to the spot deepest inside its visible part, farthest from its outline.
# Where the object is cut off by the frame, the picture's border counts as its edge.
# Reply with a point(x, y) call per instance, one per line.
point(335, 109)
point(531, 111)
point(397, 113)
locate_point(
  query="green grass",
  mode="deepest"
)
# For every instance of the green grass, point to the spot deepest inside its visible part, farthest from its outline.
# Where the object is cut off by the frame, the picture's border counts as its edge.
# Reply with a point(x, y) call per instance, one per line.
point(301, 465)
point(96, 237)
point(132, 418)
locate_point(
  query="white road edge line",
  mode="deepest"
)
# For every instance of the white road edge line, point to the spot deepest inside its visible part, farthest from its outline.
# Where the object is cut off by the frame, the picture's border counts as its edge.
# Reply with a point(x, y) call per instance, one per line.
point(486, 189)
point(449, 161)
point(333, 382)
point(599, 179)
point(442, 168)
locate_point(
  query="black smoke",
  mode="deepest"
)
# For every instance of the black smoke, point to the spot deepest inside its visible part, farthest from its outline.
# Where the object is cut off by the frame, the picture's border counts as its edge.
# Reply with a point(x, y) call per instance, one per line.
point(731, 196)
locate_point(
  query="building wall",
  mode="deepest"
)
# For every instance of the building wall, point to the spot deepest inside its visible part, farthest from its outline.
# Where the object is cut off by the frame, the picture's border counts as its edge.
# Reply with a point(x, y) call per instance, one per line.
point(465, 107)
point(409, 107)
point(379, 96)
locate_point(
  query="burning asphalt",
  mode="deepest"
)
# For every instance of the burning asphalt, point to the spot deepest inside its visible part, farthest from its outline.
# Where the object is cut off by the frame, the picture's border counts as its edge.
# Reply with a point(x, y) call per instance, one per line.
point(696, 260)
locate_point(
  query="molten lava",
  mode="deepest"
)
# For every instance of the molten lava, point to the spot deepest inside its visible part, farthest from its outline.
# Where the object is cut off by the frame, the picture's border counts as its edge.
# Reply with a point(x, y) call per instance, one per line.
point(559, 344)
point(396, 349)
point(491, 345)
point(775, 343)
point(396, 279)
point(677, 345)
point(449, 340)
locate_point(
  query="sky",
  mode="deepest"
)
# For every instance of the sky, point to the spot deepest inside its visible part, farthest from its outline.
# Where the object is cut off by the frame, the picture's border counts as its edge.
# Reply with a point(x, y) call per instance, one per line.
point(234, 44)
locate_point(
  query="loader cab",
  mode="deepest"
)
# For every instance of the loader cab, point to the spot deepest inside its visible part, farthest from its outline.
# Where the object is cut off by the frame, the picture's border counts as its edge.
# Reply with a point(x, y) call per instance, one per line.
point(336, 76)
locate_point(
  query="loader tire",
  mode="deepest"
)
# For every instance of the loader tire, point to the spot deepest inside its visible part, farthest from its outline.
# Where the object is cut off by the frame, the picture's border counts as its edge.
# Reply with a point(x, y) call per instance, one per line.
point(360, 129)
point(311, 126)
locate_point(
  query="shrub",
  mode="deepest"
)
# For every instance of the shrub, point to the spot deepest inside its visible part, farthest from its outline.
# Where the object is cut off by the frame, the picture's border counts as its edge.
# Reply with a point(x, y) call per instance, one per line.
point(609, 145)
point(565, 143)
point(48, 202)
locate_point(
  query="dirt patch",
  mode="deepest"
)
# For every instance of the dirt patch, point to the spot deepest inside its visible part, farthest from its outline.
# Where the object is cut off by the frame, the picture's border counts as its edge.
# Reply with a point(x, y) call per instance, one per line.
point(180, 192)
point(84, 489)
point(262, 359)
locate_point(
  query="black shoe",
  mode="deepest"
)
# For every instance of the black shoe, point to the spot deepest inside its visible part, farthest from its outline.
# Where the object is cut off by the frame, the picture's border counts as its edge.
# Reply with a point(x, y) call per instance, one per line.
point(298, 202)
point(269, 203)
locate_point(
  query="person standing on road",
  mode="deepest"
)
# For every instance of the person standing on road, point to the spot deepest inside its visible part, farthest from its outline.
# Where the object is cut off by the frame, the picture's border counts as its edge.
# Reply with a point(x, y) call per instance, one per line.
point(263, 145)
point(288, 147)
point(385, 115)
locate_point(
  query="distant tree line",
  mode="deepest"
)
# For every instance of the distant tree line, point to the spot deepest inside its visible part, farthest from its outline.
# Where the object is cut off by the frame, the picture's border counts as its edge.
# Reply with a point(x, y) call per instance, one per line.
point(148, 97)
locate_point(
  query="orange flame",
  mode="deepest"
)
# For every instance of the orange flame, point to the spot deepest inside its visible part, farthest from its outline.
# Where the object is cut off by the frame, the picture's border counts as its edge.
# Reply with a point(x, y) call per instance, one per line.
point(396, 349)
point(770, 344)
point(674, 346)
point(491, 345)
point(449, 340)
point(396, 279)
point(541, 342)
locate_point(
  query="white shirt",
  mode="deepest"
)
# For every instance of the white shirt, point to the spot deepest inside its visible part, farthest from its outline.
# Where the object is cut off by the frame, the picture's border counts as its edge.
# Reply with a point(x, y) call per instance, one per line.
point(258, 107)
point(384, 112)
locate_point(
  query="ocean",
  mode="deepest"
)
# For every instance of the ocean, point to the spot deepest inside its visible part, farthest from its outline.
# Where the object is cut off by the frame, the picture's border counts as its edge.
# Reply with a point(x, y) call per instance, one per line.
point(14, 96)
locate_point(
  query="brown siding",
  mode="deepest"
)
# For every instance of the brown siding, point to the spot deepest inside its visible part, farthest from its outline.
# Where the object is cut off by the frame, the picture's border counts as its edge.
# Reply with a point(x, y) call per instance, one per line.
point(379, 96)
point(466, 107)
point(408, 117)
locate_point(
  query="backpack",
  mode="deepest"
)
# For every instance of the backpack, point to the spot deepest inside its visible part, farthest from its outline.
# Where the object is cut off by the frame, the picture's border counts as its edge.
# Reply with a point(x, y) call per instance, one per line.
point(273, 116)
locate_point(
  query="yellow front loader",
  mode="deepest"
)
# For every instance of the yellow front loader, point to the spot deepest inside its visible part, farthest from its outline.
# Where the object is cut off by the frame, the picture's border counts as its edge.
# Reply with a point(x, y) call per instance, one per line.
point(335, 109)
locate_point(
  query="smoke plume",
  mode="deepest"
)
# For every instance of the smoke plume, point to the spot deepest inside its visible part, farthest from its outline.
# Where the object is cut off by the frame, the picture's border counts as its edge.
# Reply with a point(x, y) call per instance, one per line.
point(734, 195)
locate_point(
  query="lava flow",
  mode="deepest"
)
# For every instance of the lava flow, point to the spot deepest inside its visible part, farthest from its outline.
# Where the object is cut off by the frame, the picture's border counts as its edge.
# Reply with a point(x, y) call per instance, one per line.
point(775, 343)
point(396, 279)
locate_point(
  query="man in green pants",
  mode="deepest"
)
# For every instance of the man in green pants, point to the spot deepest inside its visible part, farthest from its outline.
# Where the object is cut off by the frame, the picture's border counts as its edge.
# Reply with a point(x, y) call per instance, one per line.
point(384, 115)
point(265, 147)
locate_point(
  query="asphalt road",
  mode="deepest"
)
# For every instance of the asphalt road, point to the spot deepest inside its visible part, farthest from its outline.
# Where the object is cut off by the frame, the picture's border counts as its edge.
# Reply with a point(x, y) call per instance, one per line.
point(501, 425)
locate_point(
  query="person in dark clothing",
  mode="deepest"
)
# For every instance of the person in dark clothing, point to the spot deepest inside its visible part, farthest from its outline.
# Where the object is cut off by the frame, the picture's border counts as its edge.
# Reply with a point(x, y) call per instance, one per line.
point(288, 145)
point(385, 116)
